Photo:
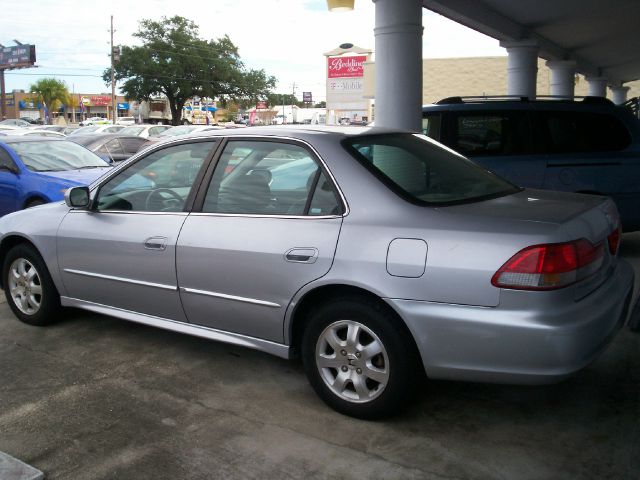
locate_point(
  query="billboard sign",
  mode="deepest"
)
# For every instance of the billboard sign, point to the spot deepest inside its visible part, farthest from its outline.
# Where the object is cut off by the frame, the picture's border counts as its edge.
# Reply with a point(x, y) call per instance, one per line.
point(346, 67)
point(17, 56)
point(307, 97)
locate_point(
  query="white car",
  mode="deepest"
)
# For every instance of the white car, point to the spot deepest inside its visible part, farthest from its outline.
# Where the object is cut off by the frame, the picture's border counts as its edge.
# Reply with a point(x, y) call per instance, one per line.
point(145, 131)
point(23, 132)
point(91, 129)
point(126, 121)
point(94, 121)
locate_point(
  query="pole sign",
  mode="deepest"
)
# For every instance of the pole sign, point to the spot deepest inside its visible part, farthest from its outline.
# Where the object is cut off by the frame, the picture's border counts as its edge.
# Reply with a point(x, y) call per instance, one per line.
point(17, 56)
point(306, 97)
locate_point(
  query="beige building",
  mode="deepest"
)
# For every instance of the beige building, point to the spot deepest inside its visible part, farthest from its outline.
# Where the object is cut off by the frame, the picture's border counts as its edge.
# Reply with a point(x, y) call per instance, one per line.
point(448, 77)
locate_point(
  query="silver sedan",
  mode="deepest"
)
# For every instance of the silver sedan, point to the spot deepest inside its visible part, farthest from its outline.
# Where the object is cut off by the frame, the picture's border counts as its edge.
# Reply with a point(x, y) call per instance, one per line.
point(376, 256)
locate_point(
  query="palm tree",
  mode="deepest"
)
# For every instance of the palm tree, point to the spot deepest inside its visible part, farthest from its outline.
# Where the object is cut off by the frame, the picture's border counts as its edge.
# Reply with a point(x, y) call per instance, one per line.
point(51, 92)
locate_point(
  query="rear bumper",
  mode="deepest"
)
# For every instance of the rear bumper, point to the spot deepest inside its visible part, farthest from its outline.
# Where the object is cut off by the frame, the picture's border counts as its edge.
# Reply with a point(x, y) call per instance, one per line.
point(542, 342)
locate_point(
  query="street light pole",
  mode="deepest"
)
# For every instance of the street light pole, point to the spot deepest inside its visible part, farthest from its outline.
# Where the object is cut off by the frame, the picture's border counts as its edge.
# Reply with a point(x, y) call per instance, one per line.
point(114, 111)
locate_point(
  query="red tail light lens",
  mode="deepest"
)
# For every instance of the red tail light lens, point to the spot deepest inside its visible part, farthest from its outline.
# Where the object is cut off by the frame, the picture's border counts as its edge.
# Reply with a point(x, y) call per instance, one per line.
point(550, 266)
point(614, 241)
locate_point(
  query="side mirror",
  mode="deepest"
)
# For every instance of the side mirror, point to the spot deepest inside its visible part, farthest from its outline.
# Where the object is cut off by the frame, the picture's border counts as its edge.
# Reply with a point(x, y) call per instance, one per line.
point(77, 197)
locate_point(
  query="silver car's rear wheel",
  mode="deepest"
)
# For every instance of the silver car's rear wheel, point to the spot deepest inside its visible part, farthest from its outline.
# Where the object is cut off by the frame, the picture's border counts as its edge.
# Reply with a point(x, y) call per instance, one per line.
point(352, 361)
point(360, 357)
point(25, 286)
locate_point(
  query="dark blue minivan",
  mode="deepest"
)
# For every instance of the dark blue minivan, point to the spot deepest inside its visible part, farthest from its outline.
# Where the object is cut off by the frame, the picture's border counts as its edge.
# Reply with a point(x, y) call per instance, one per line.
point(587, 146)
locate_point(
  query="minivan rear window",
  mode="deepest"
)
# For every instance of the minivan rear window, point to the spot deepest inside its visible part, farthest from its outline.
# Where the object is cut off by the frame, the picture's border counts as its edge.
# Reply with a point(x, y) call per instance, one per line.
point(425, 172)
point(578, 132)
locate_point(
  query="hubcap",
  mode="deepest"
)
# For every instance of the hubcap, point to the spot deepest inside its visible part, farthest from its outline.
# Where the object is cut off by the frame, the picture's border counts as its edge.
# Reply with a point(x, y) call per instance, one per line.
point(25, 286)
point(352, 361)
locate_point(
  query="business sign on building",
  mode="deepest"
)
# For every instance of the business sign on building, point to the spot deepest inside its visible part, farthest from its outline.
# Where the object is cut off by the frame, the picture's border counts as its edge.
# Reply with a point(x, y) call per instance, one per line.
point(100, 100)
point(17, 56)
point(346, 67)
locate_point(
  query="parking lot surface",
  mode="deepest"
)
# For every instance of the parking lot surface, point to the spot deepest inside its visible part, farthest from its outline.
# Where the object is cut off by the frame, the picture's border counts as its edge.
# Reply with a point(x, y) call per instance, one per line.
point(98, 398)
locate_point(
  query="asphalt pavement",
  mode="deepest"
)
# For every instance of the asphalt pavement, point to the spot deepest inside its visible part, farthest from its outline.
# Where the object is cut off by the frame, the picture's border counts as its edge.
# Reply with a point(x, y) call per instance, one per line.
point(98, 398)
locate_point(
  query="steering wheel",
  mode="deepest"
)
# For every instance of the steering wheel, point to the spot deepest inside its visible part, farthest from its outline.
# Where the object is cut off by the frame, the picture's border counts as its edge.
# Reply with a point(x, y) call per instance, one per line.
point(157, 195)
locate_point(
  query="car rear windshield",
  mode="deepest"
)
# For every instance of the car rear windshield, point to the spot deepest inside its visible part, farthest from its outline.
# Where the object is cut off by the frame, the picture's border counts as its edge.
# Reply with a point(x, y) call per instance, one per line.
point(55, 156)
point(424, 172)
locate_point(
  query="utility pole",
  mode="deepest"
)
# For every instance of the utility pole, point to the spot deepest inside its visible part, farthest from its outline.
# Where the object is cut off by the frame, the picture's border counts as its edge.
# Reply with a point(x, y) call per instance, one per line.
point(3, 98)
point(114, 111)
point(293, 99)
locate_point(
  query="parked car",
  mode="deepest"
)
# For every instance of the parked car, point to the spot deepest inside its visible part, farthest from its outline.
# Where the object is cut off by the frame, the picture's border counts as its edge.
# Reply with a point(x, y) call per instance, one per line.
point(126, 121)
point(33, 133)
point(15, 122)
point(112, 147)
point(64, 129)
point(588, 146)
point(95, 121)
point(95, 129)
point(186, 130)
point(375, 255)
point(36, 170)
point(145, 131)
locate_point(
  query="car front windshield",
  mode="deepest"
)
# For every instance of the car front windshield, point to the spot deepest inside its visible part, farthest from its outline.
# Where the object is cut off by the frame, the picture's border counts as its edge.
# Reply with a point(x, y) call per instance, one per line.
point(425, 172)
point(55, 156)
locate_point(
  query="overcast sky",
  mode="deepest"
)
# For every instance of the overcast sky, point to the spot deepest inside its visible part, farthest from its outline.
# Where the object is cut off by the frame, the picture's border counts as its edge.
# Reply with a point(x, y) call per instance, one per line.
point(287, 38)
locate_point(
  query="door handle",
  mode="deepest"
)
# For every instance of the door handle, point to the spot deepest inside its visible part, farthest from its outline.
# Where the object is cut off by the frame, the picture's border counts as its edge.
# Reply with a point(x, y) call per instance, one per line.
point(301, 255)
point(155, 243)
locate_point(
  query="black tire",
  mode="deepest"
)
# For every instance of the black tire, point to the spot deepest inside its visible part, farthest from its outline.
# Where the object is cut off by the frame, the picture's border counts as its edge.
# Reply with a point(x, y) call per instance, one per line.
point(34, 202)
point(47, 301)
point(398, 359)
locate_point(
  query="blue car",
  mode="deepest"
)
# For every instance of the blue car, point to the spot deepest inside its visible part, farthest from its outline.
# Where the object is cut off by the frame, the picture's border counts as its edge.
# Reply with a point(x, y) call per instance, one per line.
point(37, 170)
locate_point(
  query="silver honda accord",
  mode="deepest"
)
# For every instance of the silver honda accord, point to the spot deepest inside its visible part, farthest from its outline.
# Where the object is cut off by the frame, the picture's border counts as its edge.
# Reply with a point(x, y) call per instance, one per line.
point(374, 255)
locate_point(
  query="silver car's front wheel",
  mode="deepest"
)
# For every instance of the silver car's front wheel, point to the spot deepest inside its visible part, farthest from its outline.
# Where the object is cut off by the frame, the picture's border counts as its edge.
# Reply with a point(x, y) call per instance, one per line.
point(359, 357)
point(25, 286)
point(352, 361)
point(28, 287)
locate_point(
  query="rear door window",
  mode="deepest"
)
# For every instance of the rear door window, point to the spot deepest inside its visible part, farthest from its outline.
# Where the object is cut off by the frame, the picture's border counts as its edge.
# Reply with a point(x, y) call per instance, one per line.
point(432, 125)
point(579, 132)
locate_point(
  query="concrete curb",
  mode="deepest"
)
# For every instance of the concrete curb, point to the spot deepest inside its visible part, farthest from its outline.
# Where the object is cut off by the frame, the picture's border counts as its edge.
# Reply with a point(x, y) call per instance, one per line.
point(13, 469)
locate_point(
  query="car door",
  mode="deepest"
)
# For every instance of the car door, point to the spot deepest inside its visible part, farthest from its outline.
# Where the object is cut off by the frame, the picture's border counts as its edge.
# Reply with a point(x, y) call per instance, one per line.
point(9, 188)
point(121, 253)
point(268, 225)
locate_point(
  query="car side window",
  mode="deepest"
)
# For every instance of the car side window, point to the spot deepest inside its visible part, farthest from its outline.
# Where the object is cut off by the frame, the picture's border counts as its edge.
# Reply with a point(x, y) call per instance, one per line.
point(131, 145)
point(270, 178)
point(431, 125)
point(485, 133)
point(110, 148)
point(6, 162)
point(159, 182)
point(576, 132)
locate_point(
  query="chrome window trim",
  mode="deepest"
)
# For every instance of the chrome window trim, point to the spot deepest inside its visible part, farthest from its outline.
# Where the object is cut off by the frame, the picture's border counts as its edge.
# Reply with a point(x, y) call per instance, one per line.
point(264, 215)
point(230, 297)
point(121, 279)
point(273, 348)
point(127, 212)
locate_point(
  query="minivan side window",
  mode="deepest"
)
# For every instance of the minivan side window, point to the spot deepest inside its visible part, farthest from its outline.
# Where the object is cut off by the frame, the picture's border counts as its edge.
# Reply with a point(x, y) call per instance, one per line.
point(483, 133)
point(577, 132)
point(431, 125)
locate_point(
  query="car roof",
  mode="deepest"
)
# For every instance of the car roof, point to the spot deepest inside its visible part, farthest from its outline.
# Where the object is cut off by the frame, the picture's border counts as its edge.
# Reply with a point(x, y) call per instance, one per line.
point(297, 131)
point(34, 138)
point(98, 137)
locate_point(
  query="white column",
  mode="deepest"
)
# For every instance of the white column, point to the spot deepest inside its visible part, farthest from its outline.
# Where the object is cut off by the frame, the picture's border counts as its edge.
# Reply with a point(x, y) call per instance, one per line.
point(597, 86)
point(563, 74)
point(398, 47)
point(522, 67)
point(619, 94)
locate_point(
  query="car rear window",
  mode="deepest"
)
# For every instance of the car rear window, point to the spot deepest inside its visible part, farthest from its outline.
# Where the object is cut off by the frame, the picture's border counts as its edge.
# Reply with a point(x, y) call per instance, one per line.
point(425, 172)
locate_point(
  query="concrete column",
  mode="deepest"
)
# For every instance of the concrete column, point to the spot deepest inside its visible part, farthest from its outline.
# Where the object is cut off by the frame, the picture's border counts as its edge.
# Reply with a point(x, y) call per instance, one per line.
point(398, 47)
point(522, 67)
point(563, 74)
point(619, 94)
point(597, 86)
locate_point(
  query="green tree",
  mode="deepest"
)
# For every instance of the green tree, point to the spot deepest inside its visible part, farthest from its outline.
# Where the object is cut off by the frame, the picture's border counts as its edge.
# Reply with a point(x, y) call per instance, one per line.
point(51, 92)
point(173, 61)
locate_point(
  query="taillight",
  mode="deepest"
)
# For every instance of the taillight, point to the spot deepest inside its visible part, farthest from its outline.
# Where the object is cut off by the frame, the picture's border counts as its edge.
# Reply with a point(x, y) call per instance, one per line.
point(614, 241)
point(550, 266)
